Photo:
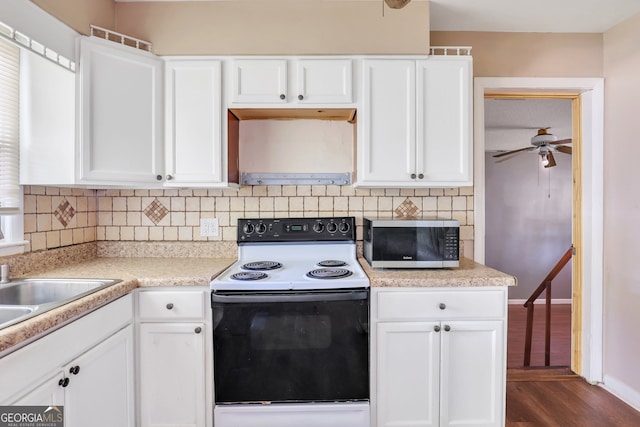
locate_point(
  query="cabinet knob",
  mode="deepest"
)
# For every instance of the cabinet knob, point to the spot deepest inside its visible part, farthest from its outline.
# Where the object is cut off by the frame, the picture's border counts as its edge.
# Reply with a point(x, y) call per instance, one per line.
point(282, 96)
point(300, 97)
point(447, 328)
point(420, 176)
point(413, 176)
point(63, 382)
point(198, 330)
point(159, 177)
point(170, 306)
point(74, 370)
point(436, 328)
point(169, 177)
point(442, 306)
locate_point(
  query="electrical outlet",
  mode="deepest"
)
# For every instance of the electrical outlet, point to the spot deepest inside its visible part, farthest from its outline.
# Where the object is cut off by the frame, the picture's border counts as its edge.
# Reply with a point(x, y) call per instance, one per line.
point(208, 227)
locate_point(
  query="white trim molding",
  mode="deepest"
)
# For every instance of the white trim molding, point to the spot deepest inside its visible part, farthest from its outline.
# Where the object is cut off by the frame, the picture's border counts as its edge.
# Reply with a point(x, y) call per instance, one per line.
point(592, 101)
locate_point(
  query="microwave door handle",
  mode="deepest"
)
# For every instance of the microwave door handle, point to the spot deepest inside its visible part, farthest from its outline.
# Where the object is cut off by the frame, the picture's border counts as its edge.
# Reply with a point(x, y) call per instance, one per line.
point(290, 297)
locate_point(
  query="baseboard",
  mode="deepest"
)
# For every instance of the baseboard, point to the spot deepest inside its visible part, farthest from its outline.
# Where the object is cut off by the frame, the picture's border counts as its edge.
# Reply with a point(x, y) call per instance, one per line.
point(542, 301)
point(622, 391)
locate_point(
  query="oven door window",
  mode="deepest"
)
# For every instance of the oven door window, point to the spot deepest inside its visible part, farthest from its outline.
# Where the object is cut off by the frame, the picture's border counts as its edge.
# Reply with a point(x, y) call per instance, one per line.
point(291, 348)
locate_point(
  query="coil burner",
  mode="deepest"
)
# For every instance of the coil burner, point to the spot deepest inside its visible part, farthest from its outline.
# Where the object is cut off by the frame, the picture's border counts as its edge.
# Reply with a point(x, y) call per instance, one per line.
point(329, 273)
point(261, 265)
point(249, 275)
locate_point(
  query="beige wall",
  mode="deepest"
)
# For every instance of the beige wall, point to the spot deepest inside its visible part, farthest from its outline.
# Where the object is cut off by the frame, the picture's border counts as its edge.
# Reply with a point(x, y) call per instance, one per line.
point(622, 210)
point(80, 14)
point(529, 54)
point(277, 27)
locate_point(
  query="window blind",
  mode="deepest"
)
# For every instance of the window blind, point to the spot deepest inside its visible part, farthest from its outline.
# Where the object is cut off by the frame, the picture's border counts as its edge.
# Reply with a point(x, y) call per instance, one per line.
point(9, 127)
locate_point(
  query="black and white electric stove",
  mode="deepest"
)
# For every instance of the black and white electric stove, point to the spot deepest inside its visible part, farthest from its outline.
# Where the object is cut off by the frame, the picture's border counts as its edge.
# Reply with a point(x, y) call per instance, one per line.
point(294, 254)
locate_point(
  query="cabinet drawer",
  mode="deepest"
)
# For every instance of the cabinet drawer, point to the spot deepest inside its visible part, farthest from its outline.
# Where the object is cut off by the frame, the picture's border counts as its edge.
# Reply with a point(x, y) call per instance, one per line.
point(171, 305)
point(440, 305)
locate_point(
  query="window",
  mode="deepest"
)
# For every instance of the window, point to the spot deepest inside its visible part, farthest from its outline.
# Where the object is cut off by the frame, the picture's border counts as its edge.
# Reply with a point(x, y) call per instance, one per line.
point(11, 221)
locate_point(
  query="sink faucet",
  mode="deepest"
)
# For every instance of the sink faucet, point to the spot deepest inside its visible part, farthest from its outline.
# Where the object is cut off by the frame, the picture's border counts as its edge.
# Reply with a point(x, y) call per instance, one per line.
point(4, 273)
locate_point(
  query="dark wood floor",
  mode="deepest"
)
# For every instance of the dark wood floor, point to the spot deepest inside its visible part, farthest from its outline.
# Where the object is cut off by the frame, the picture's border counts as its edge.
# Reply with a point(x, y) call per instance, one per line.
point(555, 397)
point(560, 335)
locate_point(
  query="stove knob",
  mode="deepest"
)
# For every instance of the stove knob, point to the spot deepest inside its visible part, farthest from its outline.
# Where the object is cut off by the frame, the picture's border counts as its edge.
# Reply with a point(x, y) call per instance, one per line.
point(344, 227)
point(248, 228)
point(318, 227)
point(332, 227)
point(261, 228)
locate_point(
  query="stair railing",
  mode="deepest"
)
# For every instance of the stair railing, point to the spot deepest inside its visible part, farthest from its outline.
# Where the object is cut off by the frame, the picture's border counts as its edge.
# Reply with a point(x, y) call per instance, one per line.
point(545, 287)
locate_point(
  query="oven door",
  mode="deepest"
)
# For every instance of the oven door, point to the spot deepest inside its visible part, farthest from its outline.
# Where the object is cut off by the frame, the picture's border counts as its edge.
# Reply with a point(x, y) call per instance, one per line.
point(291, 347)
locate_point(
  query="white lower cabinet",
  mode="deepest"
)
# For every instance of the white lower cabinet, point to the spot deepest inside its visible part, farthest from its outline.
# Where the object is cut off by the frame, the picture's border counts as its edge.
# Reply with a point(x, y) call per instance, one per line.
point(86, 367)
point(174, 367)
point(438, 359)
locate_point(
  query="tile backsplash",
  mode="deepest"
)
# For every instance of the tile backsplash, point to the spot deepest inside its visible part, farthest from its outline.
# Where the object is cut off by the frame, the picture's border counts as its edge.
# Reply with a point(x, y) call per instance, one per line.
point(58, 217)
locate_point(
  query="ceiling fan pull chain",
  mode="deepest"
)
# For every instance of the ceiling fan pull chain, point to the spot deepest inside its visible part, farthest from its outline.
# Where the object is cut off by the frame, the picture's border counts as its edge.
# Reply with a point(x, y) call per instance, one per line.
point(549, 187)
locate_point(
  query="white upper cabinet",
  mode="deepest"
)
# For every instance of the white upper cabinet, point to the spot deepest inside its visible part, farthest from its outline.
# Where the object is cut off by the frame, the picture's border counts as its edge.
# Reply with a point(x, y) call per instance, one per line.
point(387, 133)
point(47, 122)
point(290, 82)
point(193, 119)
point(121, 110)
point(443, 108)
point(415, 127)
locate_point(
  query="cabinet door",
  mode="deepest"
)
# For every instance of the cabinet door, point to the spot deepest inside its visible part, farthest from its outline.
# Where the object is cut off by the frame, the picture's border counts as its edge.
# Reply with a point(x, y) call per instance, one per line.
point(259, 81)
point(407, 374)
point(386, 151)
point(444, 128)
point(324, 81)
point(50, 393)
point(100, 391)
point(121, 114)
point(48, 122)
point(172, 374)
point(472, 373)
point(193, 123)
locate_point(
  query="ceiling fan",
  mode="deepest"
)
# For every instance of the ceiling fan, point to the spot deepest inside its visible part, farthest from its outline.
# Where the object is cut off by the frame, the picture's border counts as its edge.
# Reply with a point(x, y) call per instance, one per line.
point(546, 143)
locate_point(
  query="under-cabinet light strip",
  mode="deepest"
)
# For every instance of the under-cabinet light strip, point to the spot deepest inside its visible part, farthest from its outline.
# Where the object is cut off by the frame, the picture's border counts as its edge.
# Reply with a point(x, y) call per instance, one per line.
point(36, 47)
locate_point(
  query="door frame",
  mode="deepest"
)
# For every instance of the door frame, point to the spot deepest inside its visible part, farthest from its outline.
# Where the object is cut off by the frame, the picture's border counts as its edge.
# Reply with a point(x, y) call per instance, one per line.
point(588, 123)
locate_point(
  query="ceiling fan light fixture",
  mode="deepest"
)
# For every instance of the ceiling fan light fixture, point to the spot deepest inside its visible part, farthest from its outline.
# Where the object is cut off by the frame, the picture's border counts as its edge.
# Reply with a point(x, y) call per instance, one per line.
point(397, 4)
point(544, 158)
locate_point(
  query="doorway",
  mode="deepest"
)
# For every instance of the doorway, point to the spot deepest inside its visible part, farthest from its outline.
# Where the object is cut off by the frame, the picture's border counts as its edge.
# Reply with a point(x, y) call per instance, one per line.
point(528, 217)
point(588, 117)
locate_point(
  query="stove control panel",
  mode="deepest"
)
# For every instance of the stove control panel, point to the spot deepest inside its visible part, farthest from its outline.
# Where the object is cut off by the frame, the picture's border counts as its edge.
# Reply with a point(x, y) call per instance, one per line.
point(296, 229)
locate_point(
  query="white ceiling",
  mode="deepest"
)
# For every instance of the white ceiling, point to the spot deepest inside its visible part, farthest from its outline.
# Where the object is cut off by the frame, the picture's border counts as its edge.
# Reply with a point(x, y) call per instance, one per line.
point(555, 16)
point(510, 123)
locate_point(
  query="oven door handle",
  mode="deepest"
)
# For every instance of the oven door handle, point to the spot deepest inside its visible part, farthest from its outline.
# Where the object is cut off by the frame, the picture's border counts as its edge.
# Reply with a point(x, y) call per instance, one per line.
point(354, 295)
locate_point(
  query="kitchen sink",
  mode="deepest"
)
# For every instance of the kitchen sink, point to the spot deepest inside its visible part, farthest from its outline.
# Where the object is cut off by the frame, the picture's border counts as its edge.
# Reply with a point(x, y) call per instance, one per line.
point(9, 314)
point(24, 298)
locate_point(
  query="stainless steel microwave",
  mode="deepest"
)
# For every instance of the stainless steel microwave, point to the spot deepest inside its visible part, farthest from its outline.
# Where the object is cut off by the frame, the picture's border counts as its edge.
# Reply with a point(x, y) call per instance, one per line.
point(411, 243)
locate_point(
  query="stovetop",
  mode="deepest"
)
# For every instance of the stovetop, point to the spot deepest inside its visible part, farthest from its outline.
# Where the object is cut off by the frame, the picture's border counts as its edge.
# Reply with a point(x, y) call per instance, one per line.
point(298, 254)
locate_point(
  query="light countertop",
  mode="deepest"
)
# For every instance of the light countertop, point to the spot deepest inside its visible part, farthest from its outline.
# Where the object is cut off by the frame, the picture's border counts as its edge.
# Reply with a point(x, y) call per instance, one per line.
point(145, 272)
point(469, 273)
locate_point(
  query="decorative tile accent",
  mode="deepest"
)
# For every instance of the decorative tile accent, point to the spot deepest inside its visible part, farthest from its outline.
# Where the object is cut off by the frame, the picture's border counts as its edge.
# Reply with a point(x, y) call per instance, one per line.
point(156, 211)
point(407, 209)
point(64, 212)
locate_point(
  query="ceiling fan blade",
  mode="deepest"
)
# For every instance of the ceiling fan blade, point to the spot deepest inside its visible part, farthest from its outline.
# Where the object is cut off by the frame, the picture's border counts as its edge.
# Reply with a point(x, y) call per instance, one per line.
point(561, 141)
point(514, 151)
point(552, 161)
point(564, 149)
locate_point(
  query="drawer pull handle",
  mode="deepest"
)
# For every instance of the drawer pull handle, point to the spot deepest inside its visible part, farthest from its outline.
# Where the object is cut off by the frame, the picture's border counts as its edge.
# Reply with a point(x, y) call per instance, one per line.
point(447, 328)
point(74, 370)
point(170, 306)
point(198, 330)
point(442, 306)
point(63, 382)
point(436, 328)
